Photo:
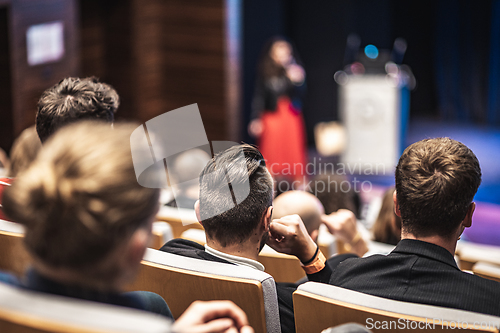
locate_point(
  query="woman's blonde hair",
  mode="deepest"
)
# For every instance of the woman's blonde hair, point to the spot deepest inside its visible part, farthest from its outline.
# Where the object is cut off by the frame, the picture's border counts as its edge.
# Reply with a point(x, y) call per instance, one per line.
point(80, 198)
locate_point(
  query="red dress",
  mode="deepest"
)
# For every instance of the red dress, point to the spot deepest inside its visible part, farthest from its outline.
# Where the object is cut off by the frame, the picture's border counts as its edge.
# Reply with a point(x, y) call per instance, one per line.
point(283, 141)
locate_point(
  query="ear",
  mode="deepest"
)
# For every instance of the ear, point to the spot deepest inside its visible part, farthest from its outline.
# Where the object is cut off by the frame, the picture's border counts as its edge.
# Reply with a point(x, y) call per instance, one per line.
point(197, 210)
point(467, 222)
point(396, 204)
point(137, 246)
point(267, 218)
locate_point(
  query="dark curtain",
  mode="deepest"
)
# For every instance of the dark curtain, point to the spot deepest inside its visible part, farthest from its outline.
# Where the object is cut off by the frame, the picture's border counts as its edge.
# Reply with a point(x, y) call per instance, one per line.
point(494, 68)
point(466, 61)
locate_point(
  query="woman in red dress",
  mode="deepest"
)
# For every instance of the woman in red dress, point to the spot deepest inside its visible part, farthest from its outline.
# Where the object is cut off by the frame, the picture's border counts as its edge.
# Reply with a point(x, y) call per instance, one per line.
point(277, 121)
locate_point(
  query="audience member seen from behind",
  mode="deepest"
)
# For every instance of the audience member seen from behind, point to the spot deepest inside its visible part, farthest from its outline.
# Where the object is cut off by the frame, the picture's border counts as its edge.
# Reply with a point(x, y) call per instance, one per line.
point(88, 222)
point(74, 99)
point(235, 234)
point(436, 180)
point(387, 226)
point(71, 100)
point(304, 204)
point(340, 202)
point(183, 176)
point(24, 151)
point(335, 192)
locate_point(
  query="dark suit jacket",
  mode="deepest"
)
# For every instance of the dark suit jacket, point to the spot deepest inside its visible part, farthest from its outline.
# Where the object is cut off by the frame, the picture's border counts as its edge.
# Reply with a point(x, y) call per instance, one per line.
point(419, 272)
point(191, 249)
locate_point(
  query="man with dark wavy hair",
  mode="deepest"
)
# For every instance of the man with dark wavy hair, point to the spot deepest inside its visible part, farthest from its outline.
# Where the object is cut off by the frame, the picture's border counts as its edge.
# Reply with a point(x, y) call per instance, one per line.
point(69, 101)
point(235, 209)
point(74, 99)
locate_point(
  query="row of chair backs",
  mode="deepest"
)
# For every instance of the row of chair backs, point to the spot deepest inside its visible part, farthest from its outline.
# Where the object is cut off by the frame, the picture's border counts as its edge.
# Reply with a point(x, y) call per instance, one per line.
point(471, 253)
point(181, 280)
point(15, 258)
point(318, 306)
point(282, 267)
point(180, 219)
point(487, 271)
point(23, 311)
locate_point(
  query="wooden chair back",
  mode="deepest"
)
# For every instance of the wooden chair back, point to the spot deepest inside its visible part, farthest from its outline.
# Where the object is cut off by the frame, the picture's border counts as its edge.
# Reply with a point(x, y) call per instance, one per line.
point(319, 306)
point(162, 233)
point(487, 271)
point(14, 257)
point(471, 253)
point(282, 267)
point(23, 311)
point(181, 281)
point(180, 219)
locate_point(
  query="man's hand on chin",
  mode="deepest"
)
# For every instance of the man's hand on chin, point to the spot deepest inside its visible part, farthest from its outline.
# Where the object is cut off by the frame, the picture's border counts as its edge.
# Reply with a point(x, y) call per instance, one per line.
point(289, 235)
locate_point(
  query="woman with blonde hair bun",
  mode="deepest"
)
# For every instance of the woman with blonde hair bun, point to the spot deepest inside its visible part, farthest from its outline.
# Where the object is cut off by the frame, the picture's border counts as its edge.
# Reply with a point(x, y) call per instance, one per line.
point(88, 223)
point(87, 220)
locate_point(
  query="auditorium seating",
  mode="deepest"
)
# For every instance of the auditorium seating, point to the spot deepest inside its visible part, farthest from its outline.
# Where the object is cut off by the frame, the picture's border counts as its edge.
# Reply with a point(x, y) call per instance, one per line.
point(487, 271)
point(181, 280)
point(162, 233)
point(282, 267)
point(23, 311)
point(318, 306)
point(180, 219)
point(471, 253)
point(14, 258)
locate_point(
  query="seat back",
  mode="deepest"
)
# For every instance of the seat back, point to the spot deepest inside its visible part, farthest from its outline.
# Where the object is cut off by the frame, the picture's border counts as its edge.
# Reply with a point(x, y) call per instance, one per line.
point(14, 257)
point(471, 253)
point(282, 267)
point(23, 311)
point(487, 271)
point(182, 280)
point(162, 233)
point(318, 306)
point(180, 219)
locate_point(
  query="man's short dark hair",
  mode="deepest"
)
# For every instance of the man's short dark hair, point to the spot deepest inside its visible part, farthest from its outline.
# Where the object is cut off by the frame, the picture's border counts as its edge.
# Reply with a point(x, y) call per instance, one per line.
point(73, 99)
point(436, 180)
point(240, 164)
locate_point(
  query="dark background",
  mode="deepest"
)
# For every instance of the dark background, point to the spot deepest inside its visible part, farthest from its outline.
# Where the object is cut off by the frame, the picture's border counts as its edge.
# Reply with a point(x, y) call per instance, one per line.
point(453, 51)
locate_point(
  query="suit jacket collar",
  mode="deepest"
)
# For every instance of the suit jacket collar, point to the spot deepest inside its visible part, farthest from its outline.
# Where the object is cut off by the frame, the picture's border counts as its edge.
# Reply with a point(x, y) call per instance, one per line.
point(425, 249)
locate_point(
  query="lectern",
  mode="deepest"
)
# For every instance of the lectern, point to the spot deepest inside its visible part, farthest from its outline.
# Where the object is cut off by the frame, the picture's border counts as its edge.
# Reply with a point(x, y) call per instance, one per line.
point(374, 109)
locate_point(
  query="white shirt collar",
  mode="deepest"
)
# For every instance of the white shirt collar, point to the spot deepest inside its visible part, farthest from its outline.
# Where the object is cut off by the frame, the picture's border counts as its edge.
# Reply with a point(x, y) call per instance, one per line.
point(240, 261)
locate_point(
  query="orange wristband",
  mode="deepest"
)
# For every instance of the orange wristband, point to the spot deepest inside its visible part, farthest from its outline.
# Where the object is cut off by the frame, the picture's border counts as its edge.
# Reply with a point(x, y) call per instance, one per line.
point(316, 265)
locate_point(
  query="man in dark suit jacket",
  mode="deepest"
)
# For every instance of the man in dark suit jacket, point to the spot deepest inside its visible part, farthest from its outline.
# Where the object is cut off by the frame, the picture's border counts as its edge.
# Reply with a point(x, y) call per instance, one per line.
point(235, 209)
point(436, 180)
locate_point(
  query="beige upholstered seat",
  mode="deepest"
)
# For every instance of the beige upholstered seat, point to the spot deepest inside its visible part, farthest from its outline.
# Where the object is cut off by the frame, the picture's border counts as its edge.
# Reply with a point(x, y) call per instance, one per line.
point(23, 311)
point(488, 271)
point(318, 306)
point(181, 280)
point(180, 219)
point(14, 257)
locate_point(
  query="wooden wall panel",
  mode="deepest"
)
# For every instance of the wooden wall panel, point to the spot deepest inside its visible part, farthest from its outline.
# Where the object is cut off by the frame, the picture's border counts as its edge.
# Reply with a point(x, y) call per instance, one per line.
point(28, 82)
point(6, 129)
point(161, 55)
